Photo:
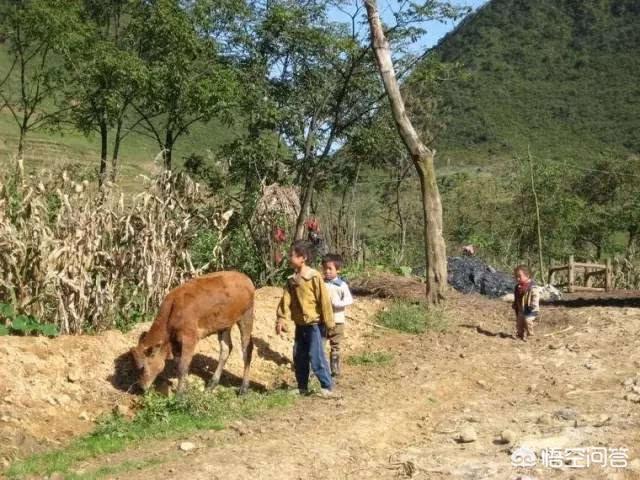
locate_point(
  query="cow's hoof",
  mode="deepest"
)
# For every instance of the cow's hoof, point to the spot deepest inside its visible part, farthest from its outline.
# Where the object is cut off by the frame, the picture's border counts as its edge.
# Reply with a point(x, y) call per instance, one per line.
point(243, 391)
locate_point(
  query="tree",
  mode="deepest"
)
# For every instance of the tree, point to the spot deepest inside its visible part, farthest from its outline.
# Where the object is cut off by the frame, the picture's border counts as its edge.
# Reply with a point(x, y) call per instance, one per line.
point(422, 157)
point(187, 82)
point(36, 31)
point(107, 75)
point(321, 81)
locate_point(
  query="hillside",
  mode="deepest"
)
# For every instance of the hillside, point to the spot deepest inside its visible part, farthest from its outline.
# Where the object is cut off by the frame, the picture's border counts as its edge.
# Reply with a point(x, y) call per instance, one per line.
point(68, 147)
point(560, 75)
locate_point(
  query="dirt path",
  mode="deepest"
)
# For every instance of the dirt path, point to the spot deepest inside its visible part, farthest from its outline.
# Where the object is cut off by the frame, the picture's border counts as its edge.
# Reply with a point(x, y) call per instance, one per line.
point(401, 420)
point(563, 389)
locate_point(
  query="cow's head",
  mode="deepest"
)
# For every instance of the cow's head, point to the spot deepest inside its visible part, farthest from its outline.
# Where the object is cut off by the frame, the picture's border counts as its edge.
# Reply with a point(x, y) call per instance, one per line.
point(150, 359)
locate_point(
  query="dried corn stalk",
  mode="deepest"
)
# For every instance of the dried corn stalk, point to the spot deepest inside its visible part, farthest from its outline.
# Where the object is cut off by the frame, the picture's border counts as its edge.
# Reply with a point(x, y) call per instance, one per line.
point(79, 258)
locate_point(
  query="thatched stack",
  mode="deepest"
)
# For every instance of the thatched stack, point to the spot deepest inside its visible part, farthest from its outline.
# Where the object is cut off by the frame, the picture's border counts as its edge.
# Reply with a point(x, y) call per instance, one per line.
point(273, 221)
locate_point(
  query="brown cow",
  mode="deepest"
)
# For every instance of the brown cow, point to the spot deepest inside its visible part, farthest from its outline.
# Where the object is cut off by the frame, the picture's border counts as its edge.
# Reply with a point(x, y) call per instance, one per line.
point(194, 310)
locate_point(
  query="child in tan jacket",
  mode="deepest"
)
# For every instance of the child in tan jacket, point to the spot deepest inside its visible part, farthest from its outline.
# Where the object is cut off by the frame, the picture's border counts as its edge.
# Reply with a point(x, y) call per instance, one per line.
point(307, 302)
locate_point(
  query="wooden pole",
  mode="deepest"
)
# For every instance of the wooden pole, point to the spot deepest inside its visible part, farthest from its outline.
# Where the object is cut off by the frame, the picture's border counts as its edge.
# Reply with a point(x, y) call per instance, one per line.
point(572, 274)
point(535, 199)
point(608, 282)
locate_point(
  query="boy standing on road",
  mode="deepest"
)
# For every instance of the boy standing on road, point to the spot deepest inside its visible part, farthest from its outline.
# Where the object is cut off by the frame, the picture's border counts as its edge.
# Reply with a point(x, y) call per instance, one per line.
point(340, 300)
point(306, 302)
point(526, 303)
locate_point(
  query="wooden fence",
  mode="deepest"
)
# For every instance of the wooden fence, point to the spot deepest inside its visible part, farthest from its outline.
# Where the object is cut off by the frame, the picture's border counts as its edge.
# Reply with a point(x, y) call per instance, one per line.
point(589, 270)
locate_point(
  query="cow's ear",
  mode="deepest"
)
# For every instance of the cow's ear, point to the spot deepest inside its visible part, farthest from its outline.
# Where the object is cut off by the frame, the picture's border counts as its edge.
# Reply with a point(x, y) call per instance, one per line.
point(137, 358)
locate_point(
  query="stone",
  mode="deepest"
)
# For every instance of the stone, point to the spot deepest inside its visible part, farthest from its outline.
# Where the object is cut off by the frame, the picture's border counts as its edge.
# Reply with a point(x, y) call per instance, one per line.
point(187, 446)
point(603, 419)
point(240, 428)
point(122, 410)
point(73, 376)
point(84, 416)
point(532, 388)
point(467, 435)
point(628, 382)
point(632, 397)
point(545, 419)
point(565, 414)
point(507, 437)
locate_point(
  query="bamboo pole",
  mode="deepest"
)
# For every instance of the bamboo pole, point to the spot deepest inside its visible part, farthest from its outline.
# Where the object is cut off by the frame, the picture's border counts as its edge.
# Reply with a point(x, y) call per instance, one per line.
point(535, 198)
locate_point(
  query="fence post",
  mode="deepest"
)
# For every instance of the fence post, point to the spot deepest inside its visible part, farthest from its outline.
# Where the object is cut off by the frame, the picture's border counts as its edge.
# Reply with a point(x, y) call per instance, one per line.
point(608, 282)
point(572, 274)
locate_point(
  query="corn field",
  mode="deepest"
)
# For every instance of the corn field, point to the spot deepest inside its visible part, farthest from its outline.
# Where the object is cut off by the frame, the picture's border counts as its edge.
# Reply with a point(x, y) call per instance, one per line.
point(80, 258)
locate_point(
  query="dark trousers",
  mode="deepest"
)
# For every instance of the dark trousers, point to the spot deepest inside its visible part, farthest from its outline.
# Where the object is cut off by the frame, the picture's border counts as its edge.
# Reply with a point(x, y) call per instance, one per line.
point(309, 349)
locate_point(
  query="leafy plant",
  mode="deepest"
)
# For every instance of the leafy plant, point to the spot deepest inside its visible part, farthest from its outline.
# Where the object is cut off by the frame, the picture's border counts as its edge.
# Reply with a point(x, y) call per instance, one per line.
point(157, 417)
point(412, 318)
point(370, 358)
point(20, 324)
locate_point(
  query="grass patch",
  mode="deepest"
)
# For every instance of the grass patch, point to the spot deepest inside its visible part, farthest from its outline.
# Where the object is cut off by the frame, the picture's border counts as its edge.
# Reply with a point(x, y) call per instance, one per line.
point(412, 318)
point(370, 358)
point(158, 417)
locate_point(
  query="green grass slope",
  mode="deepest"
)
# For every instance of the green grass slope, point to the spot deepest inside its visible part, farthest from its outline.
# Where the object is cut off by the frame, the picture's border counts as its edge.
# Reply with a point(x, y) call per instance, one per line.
point(559, 75)
point(47, 149)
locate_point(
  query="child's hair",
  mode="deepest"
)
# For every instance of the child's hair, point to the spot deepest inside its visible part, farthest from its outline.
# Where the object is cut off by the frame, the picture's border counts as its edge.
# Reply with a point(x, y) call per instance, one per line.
point(333, 258)
point(522, 268)
point(303, 248)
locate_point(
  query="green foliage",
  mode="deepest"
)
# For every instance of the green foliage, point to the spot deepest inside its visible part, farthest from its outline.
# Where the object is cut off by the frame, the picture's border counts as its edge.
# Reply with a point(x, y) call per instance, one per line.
point(21, 324)
point(242, 255)
point(412, 318)
point(370, 358)
point(557, 75)
point(187, 80)
point(209, 173)
point(158, 417)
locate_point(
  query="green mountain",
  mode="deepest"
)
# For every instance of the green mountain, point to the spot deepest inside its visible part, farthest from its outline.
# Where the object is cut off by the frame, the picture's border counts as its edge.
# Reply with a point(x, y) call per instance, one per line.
point(561, 76)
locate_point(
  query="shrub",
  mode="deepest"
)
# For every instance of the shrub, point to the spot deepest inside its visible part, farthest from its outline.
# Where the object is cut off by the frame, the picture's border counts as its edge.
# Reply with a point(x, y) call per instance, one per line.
point(412, 318)
point(20, 324)
point(370, 358)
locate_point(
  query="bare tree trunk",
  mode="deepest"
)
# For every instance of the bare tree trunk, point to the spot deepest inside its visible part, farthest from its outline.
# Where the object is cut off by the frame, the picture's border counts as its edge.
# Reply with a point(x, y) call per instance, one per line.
point(423, 160)
point(167, 153)
point(104, 150)
point(20, 158)
point(304, 206)
point(401, 222)
point(115, 156)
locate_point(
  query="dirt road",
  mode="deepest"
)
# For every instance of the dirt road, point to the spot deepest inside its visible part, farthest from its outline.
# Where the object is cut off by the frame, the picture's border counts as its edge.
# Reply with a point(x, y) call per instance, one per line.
point(563, 389)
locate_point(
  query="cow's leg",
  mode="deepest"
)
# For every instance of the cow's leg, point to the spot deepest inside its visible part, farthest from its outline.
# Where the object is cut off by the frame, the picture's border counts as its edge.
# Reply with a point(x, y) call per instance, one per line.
point(246, 326)
point(188, 348)
point(224, 337)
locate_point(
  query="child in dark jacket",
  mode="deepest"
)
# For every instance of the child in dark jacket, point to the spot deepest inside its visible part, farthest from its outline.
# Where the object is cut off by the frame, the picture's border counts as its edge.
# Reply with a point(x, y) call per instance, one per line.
point(526, 303)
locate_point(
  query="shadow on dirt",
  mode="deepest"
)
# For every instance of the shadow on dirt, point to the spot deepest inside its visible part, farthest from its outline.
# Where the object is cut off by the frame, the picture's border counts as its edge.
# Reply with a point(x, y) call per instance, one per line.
point(125, 374)
point(488, 333)
point(616, 302)
point(266, 352)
